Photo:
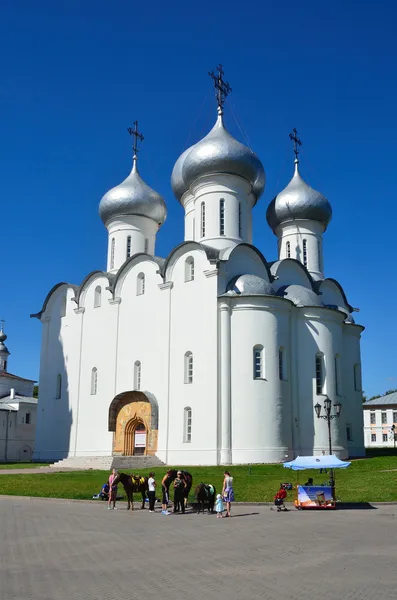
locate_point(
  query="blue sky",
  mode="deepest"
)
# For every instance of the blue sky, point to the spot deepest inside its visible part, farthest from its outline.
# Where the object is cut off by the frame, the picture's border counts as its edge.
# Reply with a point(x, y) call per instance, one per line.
point(76, 74)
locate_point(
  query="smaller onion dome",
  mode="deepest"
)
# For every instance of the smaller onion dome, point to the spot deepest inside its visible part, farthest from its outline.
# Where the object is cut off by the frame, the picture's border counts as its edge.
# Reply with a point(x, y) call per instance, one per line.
point(133, 197)
point(298, 201)
point(299, 295)
point(250, 285)
point(3, 348)
point(217, 152)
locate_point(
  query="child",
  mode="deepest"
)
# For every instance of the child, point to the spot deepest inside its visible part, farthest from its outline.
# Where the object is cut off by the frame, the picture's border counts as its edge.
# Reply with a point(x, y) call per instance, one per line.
point(279, 498)
point(219, 507)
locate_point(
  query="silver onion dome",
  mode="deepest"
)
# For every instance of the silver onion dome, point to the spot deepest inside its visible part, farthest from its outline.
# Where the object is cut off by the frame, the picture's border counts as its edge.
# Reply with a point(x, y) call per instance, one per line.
point(133, 197)
point(217, 152)
point(250, 285)
point(298, 201)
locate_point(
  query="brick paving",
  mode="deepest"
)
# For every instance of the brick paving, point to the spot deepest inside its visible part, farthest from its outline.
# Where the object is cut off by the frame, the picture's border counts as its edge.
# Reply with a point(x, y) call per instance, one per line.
point(53, 550)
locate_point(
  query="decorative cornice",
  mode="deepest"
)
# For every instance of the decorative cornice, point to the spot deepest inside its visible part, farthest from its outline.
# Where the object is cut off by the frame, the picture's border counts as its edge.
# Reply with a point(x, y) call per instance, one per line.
point(79, 311)
point(168, 285)
point(116, 300)
point(211, 273)
point(44, 319)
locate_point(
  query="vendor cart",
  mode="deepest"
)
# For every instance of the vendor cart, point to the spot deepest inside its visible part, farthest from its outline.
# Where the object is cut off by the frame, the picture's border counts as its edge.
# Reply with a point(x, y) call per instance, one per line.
point(316, 496)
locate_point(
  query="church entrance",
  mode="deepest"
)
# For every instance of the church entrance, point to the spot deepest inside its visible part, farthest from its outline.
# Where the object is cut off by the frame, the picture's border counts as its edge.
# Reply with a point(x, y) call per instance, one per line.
point(133, 416)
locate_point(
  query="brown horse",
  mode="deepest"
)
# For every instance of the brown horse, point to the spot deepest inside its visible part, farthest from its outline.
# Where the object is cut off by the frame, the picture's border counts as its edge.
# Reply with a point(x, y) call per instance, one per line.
point(133, 484)
point(205, 492)
point(187, 478)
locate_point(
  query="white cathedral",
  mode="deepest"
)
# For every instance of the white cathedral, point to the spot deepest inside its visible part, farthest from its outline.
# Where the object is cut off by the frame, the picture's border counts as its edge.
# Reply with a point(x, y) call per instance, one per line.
point(212, 355)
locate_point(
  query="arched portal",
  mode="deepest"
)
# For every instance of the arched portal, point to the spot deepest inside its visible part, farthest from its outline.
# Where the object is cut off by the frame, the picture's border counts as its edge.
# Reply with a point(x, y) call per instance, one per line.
point(133, 416)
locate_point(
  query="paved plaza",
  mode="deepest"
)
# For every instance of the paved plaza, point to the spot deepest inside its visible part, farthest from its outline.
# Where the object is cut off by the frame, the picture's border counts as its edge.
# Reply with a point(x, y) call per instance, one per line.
point(55, 549)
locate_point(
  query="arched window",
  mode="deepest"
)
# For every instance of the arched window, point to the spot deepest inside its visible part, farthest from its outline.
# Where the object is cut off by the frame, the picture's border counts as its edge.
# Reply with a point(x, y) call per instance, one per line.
point(128, 249)
point(187, 425)
point(305, 252)
point(189, 269)
point(258, 362)
point(112, 249)
point(282, 371)
point(58, 391)
point(94, 381)
point(320, 379)
point(137, 375)
point(5, 365)
point(203, 219)
point(140, 284)
point(240, 231)
point(97, 296)
point(62, 310)
point(188, 367)
point(288, 245)
point(146, 246)
point(222, 216)
point(357, 377)
point(337, 376)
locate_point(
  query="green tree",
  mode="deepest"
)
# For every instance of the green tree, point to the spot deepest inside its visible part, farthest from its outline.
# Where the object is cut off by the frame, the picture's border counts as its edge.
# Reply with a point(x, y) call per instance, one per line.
point(36, 391)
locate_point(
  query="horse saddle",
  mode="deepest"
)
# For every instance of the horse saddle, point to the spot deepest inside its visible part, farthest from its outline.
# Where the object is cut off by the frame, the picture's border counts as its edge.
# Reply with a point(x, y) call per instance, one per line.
point(209, 489)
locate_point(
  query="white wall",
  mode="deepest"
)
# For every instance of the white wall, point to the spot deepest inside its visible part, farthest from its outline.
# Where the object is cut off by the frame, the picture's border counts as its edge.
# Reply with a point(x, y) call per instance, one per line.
point(21, 435)
point(294, 233)
point(379, 429)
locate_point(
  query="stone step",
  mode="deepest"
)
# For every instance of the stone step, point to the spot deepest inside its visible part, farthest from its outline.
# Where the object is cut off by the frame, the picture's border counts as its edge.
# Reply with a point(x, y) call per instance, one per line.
point(108, 462)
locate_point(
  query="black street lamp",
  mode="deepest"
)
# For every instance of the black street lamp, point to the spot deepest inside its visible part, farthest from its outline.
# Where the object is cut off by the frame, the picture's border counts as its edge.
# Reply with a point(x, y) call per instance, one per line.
point(328, 417)
point(393, 431)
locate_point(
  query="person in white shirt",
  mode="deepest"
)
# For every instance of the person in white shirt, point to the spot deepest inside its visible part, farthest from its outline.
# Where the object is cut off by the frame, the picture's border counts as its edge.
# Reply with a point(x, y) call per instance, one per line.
point(151, 491)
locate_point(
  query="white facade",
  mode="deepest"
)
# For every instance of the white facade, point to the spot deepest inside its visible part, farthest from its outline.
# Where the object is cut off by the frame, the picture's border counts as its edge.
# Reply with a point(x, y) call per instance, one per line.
point(221, 345)
point(380, 415)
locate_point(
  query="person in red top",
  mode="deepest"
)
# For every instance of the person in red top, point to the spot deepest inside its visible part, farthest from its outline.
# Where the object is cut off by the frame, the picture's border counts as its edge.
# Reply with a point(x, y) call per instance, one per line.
point(279, 498)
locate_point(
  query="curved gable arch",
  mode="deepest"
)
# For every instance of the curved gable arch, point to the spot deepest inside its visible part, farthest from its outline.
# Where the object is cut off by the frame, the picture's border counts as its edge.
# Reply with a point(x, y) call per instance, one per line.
point(291, 272)
point(211, 255)
point(332, 294)
point(129, 264)
point(51, 294)
point(87, 281)
point(244, 258)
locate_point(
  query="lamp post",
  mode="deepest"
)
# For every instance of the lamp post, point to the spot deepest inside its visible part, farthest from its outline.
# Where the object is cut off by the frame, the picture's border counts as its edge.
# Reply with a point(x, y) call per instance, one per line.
point(328, 417)
point(393, 431)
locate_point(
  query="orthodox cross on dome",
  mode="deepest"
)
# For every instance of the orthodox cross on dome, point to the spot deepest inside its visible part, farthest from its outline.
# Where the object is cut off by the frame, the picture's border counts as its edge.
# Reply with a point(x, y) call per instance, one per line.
point(137, 136)
point(222, 87)
point(2, 321)
point(296, 141)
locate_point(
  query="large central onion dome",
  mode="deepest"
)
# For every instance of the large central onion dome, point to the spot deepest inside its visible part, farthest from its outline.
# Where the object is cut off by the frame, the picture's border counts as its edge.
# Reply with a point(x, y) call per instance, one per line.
point(217, 152)
point(133, 197)
point(298, 201)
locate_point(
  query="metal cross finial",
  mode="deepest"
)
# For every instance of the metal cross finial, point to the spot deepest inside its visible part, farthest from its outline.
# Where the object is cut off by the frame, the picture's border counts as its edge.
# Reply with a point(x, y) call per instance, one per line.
point(2, 321)
point(222, 88)
point(297, 142)
point(137, 136)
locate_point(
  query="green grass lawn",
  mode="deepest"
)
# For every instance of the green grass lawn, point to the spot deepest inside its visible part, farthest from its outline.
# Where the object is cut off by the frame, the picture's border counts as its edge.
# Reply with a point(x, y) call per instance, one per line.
point(363, 481)
point(21, 465)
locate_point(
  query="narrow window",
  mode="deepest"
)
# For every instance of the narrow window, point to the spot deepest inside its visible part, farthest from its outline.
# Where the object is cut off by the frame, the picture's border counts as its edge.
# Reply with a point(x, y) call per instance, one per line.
point(187, 425)
point(305, 252)
point(258, 362)
point(58, 391)
point(384, 437)
point(349, 435)
point(137, 376)
point(188, 367)
point(94, 381)
point(319, 255)
point(221, 217)
point(288, 249)
point(281, 364)
point(97, 296)
point(140, 285)
point(319, 374)
point(337, 375)
point(27, 419)
point(128, 251)
point(240, 229)
point(112, 249)
point(203, 219)
point(395, 417)
point(63, 307)
point(373, 418)
point(146, 246)
point(384, 418)
point(189, 269)
point(357, 378)
point(373, 437)
point(5, 365)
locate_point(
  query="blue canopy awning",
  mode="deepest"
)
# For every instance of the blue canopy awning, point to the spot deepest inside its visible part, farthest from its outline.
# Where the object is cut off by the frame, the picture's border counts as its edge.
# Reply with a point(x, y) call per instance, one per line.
point(330, 461)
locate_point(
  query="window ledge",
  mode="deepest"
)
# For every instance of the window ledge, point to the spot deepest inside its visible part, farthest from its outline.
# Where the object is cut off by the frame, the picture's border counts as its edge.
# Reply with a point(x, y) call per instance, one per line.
point(259, 379)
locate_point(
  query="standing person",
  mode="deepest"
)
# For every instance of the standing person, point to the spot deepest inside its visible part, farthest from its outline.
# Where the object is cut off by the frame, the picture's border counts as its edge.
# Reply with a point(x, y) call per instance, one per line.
point(179, 488)
point(165, 484)
point(228, 492)
point(151, 491)
point(219, 507)
point(323, 470)
point(112, 491)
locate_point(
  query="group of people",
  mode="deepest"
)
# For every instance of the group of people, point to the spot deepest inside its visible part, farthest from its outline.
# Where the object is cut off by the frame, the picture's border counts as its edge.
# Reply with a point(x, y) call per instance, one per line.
point(109, 493)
